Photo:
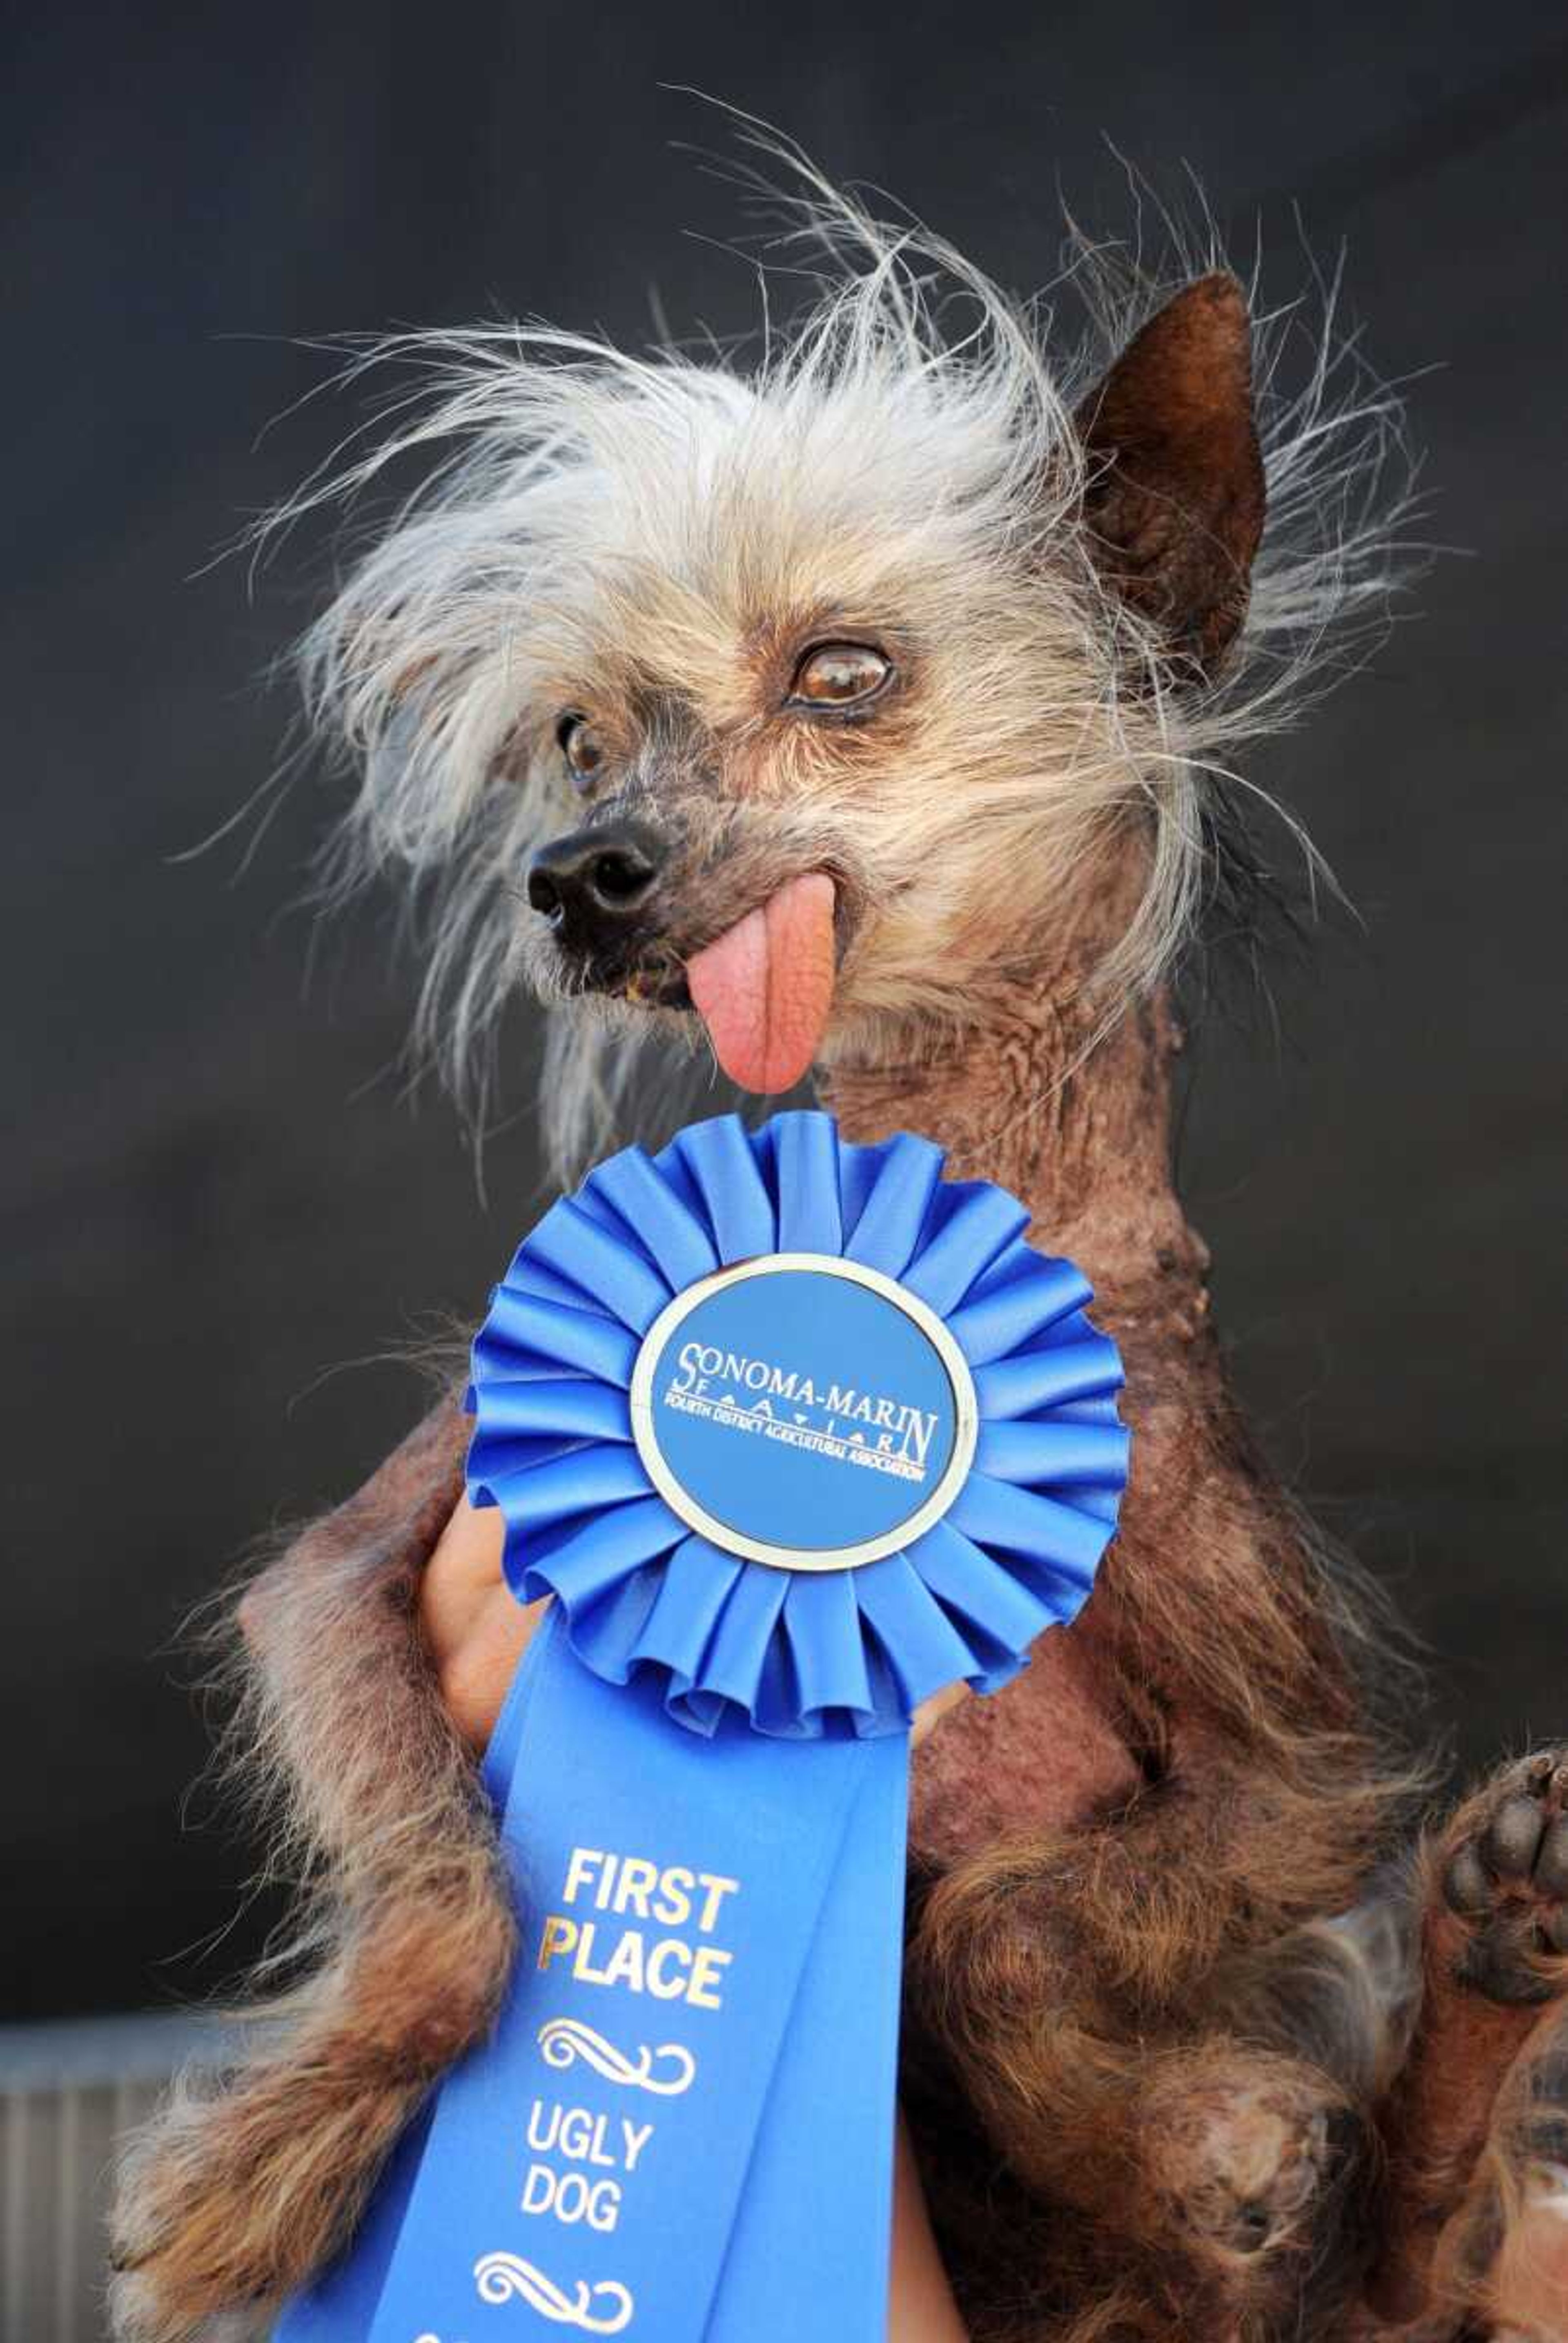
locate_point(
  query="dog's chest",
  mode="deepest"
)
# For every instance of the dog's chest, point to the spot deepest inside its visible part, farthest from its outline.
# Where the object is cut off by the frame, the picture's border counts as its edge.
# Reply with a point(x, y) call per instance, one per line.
point(1040, 1756)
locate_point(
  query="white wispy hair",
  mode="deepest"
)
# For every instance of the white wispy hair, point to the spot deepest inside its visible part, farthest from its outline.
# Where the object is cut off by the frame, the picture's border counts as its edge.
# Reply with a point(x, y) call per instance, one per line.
point(586, 513)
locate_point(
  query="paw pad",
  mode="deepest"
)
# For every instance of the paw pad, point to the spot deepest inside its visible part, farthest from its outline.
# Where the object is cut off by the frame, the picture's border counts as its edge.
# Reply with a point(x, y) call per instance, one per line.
point(1507, 1876)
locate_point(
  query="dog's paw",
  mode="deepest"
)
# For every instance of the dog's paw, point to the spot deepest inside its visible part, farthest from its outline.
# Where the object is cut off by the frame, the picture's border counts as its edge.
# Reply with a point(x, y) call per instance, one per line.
point(180, 2223)
point(1242, 2154)
point(1503, 1866)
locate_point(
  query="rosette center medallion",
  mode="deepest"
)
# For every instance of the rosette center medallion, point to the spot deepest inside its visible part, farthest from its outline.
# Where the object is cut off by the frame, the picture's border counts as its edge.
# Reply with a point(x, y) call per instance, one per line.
point(804, 1411)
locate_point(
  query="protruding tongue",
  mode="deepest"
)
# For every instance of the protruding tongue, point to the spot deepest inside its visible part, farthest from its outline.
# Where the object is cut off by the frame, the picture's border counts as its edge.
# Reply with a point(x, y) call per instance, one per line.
point(764, 990)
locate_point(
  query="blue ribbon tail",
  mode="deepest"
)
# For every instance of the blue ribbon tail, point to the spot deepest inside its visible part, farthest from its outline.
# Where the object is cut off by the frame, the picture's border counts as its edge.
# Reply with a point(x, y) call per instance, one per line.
point(810, 2252)
point(682, 2130)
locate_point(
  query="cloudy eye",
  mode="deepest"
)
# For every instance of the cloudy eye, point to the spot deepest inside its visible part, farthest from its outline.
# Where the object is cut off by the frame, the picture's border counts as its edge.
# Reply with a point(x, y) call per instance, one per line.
point(583, 749)
point(839, 674)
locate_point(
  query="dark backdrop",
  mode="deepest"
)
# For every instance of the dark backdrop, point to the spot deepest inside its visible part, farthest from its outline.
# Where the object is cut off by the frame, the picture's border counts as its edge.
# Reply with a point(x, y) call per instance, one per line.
point(215, 1188)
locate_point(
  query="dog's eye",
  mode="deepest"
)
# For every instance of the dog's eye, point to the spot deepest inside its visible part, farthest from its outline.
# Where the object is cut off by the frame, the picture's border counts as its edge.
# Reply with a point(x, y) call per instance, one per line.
point(839, 674)
point(582, 748)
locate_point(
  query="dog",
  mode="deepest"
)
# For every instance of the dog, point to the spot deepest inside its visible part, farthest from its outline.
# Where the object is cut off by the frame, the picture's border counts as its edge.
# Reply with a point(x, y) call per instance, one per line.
point(868, 711)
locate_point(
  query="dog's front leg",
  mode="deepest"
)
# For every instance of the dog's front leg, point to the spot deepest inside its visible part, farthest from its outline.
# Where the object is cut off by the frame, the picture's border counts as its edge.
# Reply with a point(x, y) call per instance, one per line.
point(242, 2186)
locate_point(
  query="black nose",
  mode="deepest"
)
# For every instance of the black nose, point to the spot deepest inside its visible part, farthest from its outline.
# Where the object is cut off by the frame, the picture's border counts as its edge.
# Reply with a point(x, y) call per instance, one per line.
point(592, 886)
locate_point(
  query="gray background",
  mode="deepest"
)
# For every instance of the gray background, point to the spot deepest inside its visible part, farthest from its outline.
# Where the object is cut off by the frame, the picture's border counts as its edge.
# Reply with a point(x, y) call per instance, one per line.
point(215, 1191)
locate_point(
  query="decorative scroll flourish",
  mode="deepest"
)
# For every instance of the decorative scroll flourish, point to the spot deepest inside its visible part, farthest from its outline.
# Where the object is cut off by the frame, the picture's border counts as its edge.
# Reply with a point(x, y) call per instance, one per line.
point(501, 2277)
point(564, 2040)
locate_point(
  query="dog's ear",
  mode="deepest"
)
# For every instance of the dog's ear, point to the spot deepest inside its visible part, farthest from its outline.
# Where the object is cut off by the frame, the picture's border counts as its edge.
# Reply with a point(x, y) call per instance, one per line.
point(1174, 496)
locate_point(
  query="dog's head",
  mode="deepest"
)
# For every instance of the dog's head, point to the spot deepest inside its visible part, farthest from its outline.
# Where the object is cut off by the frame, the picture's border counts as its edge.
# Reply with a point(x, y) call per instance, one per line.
point(794, 700)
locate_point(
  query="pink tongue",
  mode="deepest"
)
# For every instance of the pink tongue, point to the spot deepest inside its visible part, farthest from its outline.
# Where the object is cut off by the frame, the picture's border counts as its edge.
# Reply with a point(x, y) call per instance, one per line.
point(764, 990)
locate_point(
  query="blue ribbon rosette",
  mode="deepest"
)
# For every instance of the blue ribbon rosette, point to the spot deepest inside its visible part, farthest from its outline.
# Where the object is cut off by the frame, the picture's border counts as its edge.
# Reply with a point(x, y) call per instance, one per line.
point(795, 1434)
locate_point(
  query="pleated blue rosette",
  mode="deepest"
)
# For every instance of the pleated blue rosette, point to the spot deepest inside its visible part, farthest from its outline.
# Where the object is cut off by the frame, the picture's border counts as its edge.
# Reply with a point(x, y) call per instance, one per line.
point(682, 2128)
point(797, 1654)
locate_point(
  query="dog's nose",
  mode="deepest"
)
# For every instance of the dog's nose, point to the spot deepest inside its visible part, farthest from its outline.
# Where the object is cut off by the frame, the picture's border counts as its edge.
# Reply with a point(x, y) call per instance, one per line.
point(592, 886)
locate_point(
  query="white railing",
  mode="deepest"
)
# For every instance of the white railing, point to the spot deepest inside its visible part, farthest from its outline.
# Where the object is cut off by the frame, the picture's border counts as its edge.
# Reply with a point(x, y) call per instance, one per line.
point(67, 2092)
